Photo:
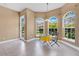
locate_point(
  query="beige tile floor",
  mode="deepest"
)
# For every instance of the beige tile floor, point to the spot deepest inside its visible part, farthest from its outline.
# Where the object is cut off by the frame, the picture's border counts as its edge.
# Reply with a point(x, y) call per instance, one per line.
point(35, 48)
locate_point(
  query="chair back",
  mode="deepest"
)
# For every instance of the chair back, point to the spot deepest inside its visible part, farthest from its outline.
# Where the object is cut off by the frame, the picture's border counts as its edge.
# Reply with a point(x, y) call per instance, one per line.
point(46, 38)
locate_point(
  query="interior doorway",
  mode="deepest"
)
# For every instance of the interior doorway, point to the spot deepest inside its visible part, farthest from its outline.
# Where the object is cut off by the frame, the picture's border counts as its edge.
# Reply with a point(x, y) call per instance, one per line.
point(22, 25)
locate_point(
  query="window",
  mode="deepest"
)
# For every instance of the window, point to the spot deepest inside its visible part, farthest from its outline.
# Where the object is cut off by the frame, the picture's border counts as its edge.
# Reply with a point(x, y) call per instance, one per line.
point(40, 26)
point(69, 25)
point(53, 25)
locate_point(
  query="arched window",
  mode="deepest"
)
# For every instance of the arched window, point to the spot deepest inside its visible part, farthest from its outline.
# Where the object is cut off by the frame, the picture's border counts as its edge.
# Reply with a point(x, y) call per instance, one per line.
point(69, 25)
point(40, 26)
point(53, 25)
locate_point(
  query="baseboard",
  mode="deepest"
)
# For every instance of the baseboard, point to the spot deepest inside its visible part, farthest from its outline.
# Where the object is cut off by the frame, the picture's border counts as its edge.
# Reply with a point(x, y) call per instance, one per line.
point(71, 45)
point(8, 40)
point(29, 40)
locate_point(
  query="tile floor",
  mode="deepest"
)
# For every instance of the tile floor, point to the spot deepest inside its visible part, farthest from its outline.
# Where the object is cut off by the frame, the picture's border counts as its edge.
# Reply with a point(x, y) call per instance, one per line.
point(35, 48)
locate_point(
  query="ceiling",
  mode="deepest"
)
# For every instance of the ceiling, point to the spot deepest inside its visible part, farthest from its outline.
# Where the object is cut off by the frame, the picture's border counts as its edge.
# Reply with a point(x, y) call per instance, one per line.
point(37, 7)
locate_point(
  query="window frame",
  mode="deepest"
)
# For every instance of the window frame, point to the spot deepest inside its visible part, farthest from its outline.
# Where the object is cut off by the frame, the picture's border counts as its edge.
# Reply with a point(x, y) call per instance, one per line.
point(69, 39)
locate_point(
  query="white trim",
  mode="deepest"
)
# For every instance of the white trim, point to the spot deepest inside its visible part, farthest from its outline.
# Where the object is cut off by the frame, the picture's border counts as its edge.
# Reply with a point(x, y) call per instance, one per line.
point(69, 27)
point(29, 40)
point(8, 40)
point(73, 46)
point(70, 40)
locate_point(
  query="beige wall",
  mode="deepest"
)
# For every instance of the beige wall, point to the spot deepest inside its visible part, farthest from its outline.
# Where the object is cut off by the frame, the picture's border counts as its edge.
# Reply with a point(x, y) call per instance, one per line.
point(30, 24)
point(77, 25)
point(40, 14)
point(9, 24)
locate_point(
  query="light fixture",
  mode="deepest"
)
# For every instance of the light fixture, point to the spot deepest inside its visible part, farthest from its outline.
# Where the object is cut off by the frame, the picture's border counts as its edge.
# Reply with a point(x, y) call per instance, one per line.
point(46, 11)
point(47, 6)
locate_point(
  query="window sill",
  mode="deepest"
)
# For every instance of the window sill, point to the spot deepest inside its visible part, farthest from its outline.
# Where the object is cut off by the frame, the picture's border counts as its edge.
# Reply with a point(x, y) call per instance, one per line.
point(70, 40)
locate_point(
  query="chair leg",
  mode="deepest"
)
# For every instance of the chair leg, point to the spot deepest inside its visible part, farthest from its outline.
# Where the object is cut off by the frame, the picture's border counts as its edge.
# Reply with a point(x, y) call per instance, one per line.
point(55, 43)
point(49, 44)
point(52, 44)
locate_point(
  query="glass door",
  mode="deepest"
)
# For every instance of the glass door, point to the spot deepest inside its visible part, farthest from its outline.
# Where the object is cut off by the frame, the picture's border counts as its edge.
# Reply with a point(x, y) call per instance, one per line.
point(22, 25)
